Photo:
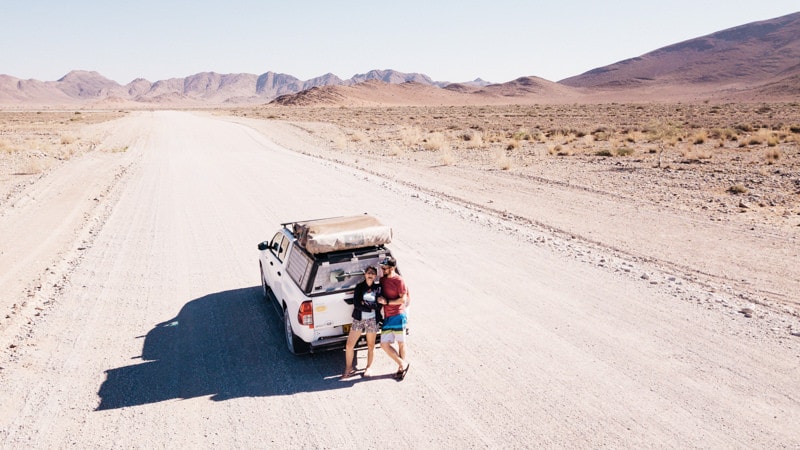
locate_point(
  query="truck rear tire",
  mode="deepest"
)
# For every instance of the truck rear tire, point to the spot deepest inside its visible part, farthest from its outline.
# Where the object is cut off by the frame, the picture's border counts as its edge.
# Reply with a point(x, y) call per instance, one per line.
point(295, 345)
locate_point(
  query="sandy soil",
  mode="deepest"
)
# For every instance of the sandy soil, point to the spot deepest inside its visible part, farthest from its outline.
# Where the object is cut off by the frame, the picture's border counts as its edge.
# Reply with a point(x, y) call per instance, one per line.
point(552, 305)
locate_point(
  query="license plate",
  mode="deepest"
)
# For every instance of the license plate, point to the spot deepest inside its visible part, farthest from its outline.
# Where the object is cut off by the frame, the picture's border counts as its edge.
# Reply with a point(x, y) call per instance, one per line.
point(346, 328)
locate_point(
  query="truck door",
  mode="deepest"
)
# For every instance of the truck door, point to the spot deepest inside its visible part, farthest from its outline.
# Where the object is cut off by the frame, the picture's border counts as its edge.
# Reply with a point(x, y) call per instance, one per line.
point(275, 273)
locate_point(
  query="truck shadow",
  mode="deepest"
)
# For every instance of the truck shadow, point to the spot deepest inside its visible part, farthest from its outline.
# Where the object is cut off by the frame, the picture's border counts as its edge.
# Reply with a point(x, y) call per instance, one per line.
point(224, 345)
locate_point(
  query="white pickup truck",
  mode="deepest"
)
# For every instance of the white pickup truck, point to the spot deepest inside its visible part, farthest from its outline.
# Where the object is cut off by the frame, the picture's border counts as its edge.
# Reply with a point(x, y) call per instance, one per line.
point(309, 270)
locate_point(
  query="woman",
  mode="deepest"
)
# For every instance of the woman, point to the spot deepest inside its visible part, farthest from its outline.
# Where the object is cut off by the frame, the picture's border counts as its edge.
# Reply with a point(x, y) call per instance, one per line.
point(394, 297)
point(365, 311)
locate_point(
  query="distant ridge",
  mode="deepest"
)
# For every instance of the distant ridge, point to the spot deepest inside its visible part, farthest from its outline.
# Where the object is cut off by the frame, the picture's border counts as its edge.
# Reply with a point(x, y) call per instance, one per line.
point(759, 61)
point(80, 86)
point(743, 57)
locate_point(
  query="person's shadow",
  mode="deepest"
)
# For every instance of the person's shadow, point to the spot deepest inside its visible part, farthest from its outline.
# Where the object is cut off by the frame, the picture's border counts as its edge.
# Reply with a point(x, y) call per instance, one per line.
point(224, 345)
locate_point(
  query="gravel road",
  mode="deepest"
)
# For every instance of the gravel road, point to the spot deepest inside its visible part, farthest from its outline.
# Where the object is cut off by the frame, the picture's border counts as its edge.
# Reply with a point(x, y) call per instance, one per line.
point(146, 327)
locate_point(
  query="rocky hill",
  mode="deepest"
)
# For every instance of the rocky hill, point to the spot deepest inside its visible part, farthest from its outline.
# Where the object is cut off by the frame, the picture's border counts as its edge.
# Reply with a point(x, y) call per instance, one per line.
point(761, 57)
point(759, 61)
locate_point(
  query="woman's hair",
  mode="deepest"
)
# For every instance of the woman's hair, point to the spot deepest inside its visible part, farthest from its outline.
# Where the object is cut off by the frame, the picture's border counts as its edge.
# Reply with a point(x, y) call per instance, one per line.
point(371, 269)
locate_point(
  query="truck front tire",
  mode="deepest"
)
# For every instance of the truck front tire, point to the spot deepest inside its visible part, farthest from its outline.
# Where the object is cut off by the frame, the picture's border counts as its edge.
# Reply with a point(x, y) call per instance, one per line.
point(264, 286)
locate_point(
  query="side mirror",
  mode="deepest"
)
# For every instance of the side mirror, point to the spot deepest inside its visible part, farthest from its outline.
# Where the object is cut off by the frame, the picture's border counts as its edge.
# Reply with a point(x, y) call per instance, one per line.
point(263, 245)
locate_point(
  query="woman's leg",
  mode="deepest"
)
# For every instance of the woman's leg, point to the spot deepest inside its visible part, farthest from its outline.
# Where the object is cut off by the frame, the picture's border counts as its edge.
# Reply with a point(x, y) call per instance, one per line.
point(370, 348)
point(349, 351)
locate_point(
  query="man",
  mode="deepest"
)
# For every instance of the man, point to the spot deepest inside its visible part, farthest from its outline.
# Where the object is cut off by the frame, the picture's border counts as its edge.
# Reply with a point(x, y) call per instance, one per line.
point(394, 295)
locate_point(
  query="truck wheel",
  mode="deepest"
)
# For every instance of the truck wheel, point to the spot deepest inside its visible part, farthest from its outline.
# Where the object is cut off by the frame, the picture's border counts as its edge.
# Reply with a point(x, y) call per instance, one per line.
point(296, 345)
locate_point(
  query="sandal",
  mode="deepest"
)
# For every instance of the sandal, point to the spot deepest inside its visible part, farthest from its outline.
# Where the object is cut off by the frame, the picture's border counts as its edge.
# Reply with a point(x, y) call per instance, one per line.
point(348, 375)
point(405, 371)
point(399, 374)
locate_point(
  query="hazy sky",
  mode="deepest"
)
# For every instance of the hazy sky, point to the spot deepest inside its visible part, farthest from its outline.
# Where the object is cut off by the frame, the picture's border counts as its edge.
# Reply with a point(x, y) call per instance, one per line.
point(497, 40)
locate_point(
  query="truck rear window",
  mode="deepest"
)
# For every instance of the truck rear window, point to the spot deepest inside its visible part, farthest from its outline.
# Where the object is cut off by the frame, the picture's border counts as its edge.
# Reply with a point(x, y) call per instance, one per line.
point(340, 276)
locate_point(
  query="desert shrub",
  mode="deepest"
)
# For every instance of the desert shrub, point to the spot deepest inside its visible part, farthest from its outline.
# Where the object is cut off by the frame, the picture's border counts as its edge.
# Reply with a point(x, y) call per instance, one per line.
point(66, 140)
point(501, 159)
point(410, 136)
point(699, 137)
point(634, 136)
point(339, 142)
point(512, 144)
point(435, 141)
point(395, 150)
point(358, 136)
point(763, 135)
point(35, 165)
point(723, 133)
point(521, 135)
point(693, 154)
point(446, 156)
point(603, 152)
point(773, 155)
point(624, 151)
point(477, 140)
point(600, 136)
point(738, 188)
point(5, 146)
point(794, 129)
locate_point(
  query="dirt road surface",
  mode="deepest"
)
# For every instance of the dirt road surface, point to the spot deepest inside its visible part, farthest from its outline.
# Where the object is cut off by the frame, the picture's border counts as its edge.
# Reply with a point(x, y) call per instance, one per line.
point(135, 318)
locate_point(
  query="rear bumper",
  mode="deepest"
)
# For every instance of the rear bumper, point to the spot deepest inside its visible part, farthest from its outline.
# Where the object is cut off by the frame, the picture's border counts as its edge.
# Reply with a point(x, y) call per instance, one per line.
point(328, 343)
point(338, 343)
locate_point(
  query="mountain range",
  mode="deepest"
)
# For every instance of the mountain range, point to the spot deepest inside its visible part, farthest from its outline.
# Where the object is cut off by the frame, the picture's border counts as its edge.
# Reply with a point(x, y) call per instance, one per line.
point(754, 62)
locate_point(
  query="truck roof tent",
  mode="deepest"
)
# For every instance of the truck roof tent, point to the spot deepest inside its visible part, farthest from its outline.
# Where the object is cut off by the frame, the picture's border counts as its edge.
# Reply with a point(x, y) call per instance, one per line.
point(340, 233)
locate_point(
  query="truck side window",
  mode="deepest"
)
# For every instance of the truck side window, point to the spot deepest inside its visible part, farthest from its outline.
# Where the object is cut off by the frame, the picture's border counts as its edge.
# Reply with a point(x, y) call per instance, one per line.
point(299, 268)
point(279, 245)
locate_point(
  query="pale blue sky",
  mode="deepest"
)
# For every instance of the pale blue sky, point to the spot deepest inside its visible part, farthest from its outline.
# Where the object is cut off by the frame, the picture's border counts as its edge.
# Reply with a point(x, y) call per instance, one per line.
point(497, 40)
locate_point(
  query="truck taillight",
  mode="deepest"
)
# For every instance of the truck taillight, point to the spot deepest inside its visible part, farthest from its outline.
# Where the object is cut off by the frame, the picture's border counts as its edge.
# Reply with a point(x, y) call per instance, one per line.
point(305, 314)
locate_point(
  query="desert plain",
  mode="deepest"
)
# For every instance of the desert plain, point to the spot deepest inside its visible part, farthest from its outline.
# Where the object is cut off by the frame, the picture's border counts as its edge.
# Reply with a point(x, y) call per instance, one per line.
point(600, 275)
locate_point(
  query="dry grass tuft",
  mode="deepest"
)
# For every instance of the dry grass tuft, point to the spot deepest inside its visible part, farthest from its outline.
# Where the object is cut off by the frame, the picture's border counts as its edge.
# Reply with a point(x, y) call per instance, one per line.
point(501, 159)
point(339, 142)
point(699, 137)
point(738, 188)
point(5, 146)
point(395, 150)
point(773, 155)
point(624, 151)
point(446, 157)
point(435, 141)
point(358, 136)
point(410, 136)
point(35, 164)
